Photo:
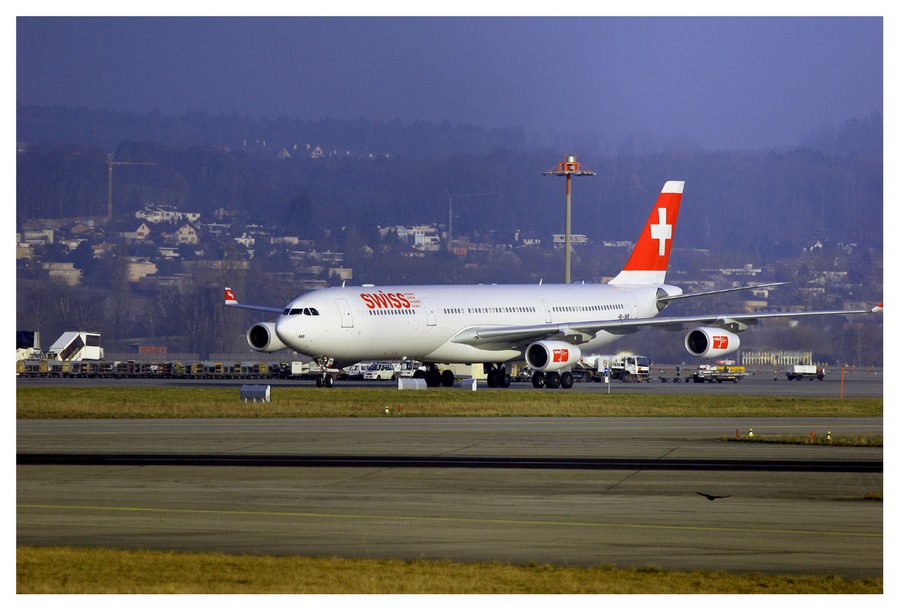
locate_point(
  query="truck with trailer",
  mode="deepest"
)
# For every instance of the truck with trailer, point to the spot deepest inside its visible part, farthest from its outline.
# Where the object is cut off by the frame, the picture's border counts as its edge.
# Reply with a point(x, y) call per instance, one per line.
point(805, 372)
point(723, 371)
point(626, 367)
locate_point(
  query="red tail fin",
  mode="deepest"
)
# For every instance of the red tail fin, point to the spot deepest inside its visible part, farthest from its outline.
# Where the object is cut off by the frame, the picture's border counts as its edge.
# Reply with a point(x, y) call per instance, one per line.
point(650, 258)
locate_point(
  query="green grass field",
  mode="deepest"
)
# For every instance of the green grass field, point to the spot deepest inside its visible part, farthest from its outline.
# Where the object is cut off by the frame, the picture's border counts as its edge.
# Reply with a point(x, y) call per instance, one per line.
point(63, 570)
point(108, 402)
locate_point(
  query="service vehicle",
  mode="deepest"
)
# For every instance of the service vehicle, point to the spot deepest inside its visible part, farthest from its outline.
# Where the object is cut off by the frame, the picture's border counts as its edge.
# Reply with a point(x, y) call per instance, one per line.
point(624, 366)
point(808, 372)
point(719, 372)
point(411, 369)
point(356, 371)
point(382, 371)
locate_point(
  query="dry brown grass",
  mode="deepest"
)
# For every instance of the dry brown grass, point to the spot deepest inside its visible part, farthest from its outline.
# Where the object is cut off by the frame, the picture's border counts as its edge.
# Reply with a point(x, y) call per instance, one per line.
point(103, 571)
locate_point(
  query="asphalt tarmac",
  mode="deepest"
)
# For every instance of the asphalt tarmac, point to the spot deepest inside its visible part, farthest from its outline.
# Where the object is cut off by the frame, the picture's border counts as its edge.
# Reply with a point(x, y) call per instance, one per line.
point(656, 492)
point(849, 383)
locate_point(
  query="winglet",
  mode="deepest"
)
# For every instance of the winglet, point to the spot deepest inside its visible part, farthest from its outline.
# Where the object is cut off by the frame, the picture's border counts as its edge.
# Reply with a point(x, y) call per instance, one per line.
point(878, 308)
point(229, 297)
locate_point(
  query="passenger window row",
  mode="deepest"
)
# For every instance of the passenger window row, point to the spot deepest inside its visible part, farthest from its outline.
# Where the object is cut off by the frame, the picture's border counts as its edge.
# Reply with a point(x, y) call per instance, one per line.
point(590, 308)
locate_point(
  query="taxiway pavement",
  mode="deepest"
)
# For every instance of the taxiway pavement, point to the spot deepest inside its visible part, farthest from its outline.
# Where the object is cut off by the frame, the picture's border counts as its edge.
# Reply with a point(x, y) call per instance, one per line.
point(800, 520)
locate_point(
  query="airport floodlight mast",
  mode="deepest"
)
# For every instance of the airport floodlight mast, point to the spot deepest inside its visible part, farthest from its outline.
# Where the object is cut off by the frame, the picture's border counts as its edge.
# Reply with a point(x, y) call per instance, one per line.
point(569, 168)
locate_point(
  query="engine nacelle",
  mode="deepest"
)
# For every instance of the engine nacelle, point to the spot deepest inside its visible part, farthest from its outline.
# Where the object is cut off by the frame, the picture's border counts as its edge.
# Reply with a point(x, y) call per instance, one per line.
point(262, 338)
point(551, 356)
point(711, 342)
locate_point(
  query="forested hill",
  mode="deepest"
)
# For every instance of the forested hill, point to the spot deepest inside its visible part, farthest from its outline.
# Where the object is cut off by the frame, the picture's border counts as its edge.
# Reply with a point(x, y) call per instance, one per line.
point(59, 125)
point(107, 128)
point(306, 177)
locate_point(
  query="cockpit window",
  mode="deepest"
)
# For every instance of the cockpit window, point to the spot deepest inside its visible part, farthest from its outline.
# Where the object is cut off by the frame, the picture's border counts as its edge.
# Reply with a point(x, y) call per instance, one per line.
point(303, 311)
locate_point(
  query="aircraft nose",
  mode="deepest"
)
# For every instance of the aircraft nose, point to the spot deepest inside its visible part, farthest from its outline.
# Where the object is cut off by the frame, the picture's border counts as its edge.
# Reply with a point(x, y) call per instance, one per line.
point(287, 328)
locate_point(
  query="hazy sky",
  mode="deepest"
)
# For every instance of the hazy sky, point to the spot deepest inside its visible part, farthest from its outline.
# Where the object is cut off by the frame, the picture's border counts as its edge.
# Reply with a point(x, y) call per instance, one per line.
point(734, 82)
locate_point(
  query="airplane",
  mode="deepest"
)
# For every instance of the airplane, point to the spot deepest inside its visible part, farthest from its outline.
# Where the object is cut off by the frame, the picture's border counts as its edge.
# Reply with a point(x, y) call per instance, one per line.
point(550, 325)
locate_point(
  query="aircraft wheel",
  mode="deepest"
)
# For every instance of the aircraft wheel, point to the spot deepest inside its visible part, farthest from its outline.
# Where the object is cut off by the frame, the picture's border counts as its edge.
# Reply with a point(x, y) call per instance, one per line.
point(551, 380)
point(432, 378)
point(566, 379)
point(503, 380)
point(537, 380)
point(492, 379)
point(447, 378)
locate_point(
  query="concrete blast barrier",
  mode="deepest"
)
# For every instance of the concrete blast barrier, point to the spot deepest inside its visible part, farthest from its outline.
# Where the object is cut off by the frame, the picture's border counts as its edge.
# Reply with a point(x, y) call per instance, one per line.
point(411, 384)
point(255, 393)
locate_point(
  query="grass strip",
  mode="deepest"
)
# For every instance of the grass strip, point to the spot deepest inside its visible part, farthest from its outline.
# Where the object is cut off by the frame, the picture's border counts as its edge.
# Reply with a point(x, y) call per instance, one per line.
point(175, 402)
point(844, 441)
point(105, 571)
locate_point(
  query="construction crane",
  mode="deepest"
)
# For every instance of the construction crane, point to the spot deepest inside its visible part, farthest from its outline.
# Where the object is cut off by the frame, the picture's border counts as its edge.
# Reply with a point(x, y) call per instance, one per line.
point(110, 163)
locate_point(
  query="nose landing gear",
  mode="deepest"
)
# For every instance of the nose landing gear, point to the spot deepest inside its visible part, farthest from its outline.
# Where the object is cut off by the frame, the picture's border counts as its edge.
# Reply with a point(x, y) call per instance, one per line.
point(326, 380)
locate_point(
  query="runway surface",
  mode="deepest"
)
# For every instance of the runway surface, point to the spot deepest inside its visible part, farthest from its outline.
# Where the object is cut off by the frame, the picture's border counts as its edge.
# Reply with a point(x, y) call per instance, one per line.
point(573, 491)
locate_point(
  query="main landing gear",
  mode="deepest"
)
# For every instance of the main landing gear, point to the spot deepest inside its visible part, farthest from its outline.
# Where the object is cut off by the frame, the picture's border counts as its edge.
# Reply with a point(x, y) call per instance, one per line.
point(435, 377)
point(496, 375)
point(553, 379)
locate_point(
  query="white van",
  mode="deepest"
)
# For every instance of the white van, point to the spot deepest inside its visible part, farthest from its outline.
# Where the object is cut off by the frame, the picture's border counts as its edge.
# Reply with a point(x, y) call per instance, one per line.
point(356, 371)
point(381, 371)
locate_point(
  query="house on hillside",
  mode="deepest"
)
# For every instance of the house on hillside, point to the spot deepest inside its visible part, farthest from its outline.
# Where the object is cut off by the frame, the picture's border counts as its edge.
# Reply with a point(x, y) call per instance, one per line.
point(140, 233)
point(187, 234)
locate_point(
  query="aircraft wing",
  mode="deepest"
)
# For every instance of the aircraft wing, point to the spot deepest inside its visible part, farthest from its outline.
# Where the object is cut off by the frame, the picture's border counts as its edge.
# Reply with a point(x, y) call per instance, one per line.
point(498, 337)
point(231, 302)
point(668, 298)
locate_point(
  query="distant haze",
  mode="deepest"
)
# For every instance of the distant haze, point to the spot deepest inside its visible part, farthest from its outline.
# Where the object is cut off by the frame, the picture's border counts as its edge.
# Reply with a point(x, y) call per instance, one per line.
point(715, 83)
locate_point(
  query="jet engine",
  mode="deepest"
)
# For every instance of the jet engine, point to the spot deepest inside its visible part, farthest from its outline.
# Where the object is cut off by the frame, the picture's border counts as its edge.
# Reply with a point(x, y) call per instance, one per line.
point(551, 356)
point(262, 338)
point(711, 342)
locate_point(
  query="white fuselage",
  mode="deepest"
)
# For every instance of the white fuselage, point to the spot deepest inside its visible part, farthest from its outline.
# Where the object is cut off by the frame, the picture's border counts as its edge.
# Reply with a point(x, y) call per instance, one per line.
point(352, 324)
